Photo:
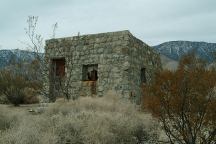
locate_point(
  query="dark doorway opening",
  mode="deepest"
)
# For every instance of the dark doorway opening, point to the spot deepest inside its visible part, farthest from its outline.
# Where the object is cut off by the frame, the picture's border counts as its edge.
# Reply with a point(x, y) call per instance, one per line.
point(57, 76)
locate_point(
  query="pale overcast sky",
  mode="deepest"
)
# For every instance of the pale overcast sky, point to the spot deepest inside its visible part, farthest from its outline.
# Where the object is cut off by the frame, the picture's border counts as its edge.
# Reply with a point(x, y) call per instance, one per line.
point(153, 21)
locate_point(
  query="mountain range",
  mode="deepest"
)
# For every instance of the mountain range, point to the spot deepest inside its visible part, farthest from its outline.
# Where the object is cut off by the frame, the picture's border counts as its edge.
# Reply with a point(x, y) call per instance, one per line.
point(10, 56)
point(170, 53)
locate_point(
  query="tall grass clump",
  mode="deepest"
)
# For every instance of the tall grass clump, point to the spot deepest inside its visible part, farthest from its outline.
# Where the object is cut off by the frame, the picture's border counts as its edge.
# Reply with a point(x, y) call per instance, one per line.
point(106, 120)
point(7, 118)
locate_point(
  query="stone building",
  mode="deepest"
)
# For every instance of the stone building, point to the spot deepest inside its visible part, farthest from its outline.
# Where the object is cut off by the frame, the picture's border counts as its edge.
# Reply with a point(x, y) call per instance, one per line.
point(91, 65)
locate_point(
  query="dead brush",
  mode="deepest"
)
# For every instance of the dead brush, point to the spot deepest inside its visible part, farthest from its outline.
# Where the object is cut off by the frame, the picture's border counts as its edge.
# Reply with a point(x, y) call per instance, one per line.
point(105, 120)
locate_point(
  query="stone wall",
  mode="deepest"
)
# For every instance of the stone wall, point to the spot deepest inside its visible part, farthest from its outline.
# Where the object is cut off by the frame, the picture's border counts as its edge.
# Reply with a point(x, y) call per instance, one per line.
point(119, 57)
point(141, 56)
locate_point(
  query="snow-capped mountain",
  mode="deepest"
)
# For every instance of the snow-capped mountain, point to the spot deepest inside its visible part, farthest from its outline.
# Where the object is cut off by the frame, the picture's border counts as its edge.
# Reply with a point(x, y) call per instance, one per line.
point(175, 49)
point(9, 56)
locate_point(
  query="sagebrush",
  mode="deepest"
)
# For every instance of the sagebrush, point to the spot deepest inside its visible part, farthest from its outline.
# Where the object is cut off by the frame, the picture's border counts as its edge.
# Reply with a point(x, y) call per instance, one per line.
point(107, 120)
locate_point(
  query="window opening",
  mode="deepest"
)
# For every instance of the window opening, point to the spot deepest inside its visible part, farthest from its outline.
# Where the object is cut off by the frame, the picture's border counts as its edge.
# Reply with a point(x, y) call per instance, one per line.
point(143, 75)
point(90, 72)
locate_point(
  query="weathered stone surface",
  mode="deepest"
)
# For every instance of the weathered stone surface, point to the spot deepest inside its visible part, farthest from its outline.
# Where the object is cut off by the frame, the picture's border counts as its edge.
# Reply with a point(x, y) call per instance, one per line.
point(119, 56)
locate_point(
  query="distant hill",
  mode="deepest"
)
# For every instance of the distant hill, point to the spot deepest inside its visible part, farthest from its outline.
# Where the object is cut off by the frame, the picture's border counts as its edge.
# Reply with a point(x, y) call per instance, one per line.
point(10, 56)
point(168, 63)
point(170, 53)
point(176, 49)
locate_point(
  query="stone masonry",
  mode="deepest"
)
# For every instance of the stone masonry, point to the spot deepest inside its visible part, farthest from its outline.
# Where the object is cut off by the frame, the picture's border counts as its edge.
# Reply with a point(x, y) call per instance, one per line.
point(94, 64)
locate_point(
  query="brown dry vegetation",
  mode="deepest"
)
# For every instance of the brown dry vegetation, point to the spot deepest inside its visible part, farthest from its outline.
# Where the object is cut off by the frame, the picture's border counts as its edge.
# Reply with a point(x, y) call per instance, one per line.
point(106, 120)
point(184, 101)
point(19, 84)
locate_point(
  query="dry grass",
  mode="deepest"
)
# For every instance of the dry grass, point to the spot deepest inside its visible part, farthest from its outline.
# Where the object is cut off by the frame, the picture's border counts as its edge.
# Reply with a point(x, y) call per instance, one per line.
point(107, 120)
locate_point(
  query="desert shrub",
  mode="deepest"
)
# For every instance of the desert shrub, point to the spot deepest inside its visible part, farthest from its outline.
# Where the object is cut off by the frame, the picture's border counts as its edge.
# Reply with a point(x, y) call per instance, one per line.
point(30, 96)
point(183, 101)
point(5, 121)
point(3, 99)
point(29, 130)
point(12, 87)
point(87, 120)
point(68, 130)
point(23, 128)
point(103, 120)
point(17, 88)
point(7, 118)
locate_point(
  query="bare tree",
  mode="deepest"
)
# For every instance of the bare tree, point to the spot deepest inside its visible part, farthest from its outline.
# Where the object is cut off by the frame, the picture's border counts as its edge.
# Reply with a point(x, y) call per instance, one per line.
point(55, 26)
point(36, 44)
point(64, 83)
